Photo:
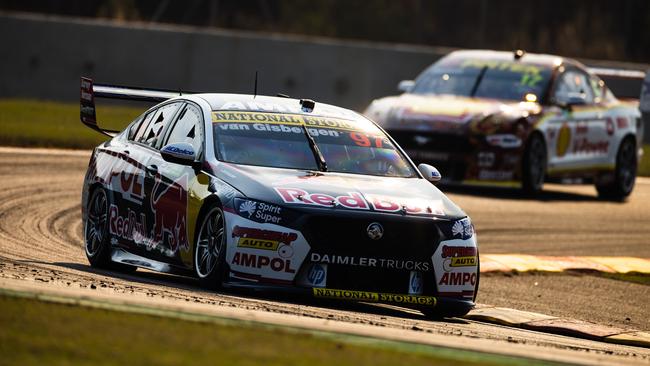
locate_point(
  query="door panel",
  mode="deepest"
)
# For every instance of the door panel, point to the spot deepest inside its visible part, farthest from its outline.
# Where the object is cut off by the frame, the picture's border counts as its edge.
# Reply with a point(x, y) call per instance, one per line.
point(577, 134)
point(133, 218)
point(168, 204)
point(167, 186)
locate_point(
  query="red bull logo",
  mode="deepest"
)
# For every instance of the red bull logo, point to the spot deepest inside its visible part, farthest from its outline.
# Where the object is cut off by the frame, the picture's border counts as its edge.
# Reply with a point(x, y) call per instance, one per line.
point(127, 227)
point(168, 204)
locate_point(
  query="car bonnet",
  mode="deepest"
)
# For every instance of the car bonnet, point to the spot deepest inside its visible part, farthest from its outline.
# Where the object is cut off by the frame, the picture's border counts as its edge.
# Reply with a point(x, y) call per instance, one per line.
point(328, 190)
point(415, 112)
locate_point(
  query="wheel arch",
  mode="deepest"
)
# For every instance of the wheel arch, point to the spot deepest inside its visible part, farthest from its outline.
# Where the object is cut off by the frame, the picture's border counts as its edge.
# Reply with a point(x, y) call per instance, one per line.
point(209, 202)
point(91, 190)
point(533, 133)
point(627, 136)
point(533, 184)
point(613, 154)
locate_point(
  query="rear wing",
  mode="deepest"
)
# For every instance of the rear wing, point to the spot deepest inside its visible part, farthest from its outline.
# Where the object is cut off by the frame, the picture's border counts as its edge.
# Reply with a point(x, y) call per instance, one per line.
point(623, 83)
point(90, 91)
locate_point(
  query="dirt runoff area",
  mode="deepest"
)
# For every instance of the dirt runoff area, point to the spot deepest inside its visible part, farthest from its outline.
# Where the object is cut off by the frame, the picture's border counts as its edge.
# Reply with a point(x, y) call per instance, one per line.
point(590, 297)
point(40, 225)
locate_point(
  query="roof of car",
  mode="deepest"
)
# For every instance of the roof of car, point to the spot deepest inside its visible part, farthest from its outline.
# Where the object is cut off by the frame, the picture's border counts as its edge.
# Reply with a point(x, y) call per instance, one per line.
point(527, 58)
point(262, 103)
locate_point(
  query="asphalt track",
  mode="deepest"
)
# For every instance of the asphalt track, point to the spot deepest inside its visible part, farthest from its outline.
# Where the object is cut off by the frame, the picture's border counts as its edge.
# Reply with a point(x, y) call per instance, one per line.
point(40, 245)
point(565, 220)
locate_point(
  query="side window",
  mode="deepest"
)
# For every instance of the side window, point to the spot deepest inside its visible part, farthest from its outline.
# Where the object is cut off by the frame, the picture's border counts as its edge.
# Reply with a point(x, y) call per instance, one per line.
point(598, 87)
point(142, 127)
point(574, 82)
point(188, 128)
point(160, 118)
point(134, 127)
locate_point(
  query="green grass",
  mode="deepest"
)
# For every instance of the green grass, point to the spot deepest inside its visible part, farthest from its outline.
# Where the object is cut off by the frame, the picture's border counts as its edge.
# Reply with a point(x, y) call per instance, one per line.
point(50, 124)
point(634, 277)
point(34, 332)
point(644, 164)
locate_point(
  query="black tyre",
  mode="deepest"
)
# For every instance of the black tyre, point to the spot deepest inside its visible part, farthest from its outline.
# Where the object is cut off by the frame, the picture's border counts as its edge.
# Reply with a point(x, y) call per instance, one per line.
point(533, 169)
point(210, 249)
point(624, 174)
point(96, 238)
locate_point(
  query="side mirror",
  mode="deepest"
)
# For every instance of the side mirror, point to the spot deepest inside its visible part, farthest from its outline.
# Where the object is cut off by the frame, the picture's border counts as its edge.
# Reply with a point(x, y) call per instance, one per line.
point(405, 85)
point(179, 153)
point(430, 173)
point(569, 100)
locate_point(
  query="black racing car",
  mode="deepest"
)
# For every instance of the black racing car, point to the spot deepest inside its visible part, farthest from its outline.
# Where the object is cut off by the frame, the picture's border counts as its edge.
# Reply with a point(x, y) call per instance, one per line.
point(274, 193)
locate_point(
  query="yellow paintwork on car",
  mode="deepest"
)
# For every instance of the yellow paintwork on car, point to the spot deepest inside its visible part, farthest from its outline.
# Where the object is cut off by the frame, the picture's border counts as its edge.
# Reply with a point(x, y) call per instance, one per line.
point(198, 191)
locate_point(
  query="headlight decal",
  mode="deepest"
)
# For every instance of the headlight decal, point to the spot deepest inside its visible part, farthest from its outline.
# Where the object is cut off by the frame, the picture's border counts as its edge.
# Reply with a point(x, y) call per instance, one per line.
point(462, 229)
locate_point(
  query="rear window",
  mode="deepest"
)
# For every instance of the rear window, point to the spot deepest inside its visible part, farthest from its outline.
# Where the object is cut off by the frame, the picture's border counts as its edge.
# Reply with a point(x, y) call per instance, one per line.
point(279, 140)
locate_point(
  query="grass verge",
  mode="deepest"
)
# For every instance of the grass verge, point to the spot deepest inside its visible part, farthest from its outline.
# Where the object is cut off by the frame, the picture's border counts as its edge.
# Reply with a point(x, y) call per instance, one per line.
point(633, 277)
point(40, 332)
point(644, 164)
point(38, 123)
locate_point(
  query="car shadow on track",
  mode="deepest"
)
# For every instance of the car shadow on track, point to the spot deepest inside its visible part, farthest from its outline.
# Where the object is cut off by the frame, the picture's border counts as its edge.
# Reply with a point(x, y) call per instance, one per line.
point(191, 284)
point(547, 195)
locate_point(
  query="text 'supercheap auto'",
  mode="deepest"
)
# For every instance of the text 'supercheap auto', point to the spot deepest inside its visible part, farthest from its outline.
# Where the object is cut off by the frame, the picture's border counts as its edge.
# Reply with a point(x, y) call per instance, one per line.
point(276, 194)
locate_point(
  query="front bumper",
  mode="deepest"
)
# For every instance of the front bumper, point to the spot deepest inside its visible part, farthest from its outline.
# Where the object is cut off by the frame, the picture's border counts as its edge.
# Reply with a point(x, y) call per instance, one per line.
point(439, 304)
point(328, 254)
point(466, 159)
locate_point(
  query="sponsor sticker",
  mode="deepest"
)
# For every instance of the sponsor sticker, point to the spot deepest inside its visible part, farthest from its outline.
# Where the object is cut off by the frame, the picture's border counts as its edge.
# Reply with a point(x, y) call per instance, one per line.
point(126, 227)
point(463, 261)
point(356, 201)
point(258, 244)
point(455, 267)
point(415, 283)
point(409, 265)
point(458, 279)
point(259, 211)
point(458, 251)
point(486, 159)
point(317, 275)
point(450, 263)
point(374, 296)
point(622, 122)
point(262, 234)
point(262, 262)
point(582, 128)
point(273, 121)
point(485, 174)
point(584, 146)
point(462, 229)
point(271, 240)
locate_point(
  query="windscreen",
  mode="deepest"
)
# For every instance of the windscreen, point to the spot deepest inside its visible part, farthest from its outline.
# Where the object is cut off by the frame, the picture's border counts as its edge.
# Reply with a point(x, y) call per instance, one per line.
point(279, 140)
point(483, 78)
